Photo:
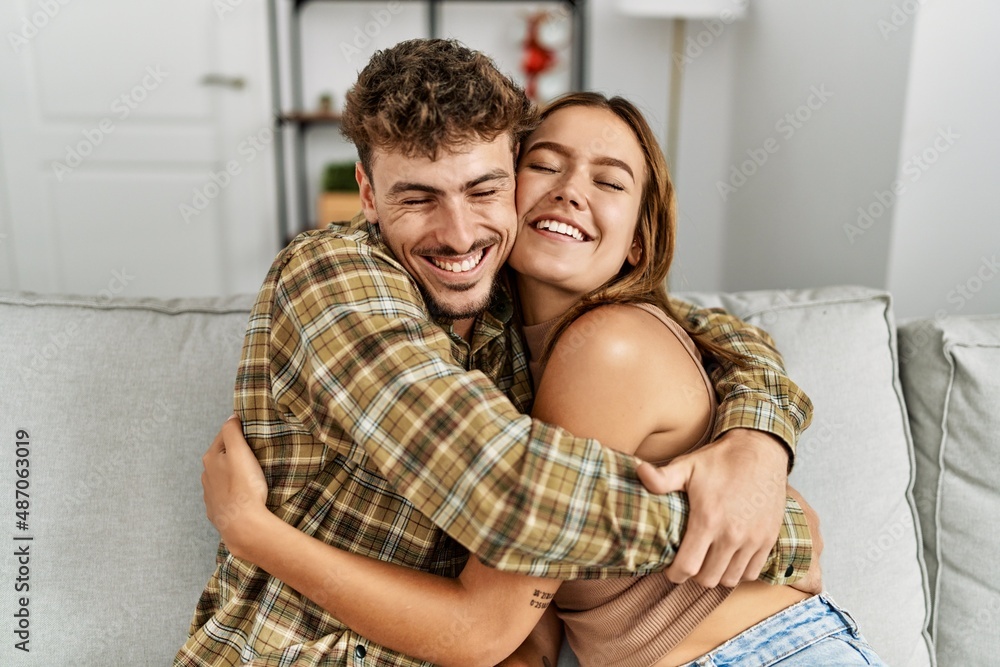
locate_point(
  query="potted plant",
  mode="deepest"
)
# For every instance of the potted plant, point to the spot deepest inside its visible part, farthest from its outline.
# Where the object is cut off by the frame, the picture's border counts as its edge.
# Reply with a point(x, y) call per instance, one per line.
point(339, 200)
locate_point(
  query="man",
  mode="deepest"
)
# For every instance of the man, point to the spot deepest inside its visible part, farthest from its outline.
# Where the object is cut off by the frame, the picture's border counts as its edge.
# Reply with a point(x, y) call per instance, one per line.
point(382, 386)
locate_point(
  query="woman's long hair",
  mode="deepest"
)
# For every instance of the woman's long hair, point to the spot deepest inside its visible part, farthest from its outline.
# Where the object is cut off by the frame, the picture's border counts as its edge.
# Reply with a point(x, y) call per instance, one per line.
point(655, 233)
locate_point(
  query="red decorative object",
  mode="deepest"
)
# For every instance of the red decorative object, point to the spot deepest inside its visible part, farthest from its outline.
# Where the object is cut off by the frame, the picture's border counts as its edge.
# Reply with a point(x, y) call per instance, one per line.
point(537, 57)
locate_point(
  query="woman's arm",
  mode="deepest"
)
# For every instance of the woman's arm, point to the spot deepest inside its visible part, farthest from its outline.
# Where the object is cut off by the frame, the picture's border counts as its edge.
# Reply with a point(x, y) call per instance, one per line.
point(477, 619)
point(541, 648)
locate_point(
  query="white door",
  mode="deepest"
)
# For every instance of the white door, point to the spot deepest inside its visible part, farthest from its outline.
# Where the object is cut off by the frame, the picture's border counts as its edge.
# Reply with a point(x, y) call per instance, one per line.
point(136, 147)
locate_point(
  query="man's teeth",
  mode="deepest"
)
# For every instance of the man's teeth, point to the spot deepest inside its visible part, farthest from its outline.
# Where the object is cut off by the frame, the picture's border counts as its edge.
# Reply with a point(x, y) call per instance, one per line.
point(560, 228)
point(458, 267)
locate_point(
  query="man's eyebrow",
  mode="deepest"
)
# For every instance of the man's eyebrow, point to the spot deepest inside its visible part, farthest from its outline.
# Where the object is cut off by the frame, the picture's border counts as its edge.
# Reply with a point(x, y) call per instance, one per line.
point(563, 150)
point(409, 186)
point(497, 174)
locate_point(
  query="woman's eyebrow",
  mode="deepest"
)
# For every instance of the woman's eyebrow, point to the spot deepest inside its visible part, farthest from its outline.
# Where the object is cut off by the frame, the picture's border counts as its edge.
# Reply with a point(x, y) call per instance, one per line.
point(615, 162)
point(564, 151)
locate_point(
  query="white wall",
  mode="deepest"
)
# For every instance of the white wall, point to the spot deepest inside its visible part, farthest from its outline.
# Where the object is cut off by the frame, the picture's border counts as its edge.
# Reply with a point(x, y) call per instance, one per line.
point(8, 270)
point(945, 243)
point(785, 224)
point(896, 76)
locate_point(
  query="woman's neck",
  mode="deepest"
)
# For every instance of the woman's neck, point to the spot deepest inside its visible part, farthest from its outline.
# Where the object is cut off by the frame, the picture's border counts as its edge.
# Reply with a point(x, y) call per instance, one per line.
point(541, 302)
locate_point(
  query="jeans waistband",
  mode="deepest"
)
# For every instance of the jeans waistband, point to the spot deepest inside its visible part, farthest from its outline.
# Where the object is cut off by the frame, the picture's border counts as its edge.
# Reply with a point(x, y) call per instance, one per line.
point(804, 622)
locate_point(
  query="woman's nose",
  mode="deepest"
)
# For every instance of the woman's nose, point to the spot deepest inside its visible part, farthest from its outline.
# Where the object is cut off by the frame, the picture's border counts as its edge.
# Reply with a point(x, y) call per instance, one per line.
point(568, 191)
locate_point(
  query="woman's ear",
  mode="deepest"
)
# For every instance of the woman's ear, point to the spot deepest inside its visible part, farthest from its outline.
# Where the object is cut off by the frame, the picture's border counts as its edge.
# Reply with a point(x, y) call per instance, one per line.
point(634, 253)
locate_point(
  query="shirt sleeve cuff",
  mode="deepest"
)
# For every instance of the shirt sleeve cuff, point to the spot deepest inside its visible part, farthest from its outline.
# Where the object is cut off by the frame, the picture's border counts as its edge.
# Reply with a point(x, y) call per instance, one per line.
point(758, 416)
point(791, 556)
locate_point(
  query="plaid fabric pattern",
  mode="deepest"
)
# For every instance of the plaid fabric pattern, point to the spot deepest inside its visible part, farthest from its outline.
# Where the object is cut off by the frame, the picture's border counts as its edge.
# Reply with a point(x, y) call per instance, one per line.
point(383, 433)
point(762, 399)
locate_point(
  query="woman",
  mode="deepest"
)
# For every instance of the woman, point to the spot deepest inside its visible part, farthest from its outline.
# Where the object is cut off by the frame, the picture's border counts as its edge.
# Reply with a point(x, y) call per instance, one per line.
point(597, 226)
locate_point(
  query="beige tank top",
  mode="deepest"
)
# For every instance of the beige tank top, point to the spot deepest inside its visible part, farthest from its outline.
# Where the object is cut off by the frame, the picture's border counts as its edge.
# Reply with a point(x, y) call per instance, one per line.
point(634, 621)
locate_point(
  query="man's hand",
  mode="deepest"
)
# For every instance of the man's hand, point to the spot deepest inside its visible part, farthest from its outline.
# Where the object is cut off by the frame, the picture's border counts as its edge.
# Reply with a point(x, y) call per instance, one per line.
point(736, 489)
point(812, 583)
point(233, 484)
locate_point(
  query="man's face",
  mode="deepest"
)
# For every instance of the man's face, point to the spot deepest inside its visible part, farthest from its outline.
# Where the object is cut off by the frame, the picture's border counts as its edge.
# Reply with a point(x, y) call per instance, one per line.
point(450, 222)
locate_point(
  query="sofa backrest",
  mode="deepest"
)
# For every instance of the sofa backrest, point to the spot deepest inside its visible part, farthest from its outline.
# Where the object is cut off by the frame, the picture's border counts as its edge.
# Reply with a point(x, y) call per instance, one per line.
point(117, 400)
point(854, 462)
point(950, 369)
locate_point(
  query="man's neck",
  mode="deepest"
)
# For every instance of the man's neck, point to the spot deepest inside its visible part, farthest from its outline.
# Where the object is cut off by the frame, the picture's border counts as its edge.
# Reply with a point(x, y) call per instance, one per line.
point(464, 328)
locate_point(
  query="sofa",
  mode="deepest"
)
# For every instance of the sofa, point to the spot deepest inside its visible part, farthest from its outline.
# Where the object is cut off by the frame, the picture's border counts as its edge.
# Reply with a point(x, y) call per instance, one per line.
point(107, 405)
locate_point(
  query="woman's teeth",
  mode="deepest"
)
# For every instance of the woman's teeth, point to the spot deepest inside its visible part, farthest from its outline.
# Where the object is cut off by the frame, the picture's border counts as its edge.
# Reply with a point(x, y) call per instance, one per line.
point(458, 267)
point(560, 228)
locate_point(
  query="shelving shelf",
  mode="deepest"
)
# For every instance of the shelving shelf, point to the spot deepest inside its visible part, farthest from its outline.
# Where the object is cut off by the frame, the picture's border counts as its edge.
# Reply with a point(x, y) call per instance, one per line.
point(294, 121)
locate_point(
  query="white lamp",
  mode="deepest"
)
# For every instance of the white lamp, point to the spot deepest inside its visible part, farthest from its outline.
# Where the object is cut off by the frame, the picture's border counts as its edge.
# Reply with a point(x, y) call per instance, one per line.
point(681, 11)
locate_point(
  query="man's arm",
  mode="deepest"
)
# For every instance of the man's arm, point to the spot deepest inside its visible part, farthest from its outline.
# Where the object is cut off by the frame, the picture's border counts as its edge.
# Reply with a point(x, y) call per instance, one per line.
point(760, 396)
point(452, 444)
point(736, 485)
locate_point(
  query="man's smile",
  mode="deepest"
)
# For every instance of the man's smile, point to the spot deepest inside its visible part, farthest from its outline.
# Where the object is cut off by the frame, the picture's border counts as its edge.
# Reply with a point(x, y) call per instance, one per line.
point(459, 263)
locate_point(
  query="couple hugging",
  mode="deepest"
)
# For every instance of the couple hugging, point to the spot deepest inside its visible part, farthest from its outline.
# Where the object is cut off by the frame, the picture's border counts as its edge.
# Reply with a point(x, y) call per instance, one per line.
point(456, 413)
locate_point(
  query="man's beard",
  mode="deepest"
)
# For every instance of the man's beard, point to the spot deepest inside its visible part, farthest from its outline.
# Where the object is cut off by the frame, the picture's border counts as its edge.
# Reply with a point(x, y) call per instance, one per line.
point(442, 312)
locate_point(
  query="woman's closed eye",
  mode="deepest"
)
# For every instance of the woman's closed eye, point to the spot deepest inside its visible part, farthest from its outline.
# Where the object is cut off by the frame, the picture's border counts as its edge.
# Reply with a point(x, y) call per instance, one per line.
point(611, 184)
point(542, 167)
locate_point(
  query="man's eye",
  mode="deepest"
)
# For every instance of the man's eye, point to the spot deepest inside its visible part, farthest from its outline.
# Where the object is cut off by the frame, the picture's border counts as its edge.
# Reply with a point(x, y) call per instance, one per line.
point(484, 193)
point(415, 202)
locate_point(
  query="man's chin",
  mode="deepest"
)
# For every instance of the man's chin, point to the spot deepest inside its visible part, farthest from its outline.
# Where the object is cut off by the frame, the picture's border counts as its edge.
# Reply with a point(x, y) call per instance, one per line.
point(459, 308)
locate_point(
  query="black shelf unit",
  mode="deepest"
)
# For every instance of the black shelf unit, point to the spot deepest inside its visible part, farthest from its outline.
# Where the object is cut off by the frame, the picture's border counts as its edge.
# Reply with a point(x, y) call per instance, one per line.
point(296, 122)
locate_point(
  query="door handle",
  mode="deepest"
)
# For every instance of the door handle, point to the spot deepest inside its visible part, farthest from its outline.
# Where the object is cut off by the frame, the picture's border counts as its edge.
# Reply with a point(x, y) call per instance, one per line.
point(235, 82)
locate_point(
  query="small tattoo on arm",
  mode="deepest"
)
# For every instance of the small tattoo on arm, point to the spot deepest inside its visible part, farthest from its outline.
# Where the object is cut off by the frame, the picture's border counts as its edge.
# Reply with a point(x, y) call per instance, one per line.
point(540, 599)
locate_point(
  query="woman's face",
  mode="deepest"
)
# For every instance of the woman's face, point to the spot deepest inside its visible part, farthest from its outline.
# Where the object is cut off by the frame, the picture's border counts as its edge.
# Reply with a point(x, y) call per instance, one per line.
point(579, 187)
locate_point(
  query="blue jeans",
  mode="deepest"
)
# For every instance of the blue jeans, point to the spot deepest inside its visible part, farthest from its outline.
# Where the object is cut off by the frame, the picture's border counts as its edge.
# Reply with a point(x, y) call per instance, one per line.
point(812, 632)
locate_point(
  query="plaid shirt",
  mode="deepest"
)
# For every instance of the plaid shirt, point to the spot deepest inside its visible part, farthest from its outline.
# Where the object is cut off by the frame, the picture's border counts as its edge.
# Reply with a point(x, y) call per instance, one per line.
point(385, 434)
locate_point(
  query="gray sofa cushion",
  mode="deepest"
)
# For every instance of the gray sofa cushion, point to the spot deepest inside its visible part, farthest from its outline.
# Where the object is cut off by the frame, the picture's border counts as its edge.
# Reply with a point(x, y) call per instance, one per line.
point(950, 374)
point(120, 400)
point(854, 462)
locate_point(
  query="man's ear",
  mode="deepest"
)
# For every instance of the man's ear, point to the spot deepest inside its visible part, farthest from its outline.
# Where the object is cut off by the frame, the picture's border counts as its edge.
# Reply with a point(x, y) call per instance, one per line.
point(367, 193)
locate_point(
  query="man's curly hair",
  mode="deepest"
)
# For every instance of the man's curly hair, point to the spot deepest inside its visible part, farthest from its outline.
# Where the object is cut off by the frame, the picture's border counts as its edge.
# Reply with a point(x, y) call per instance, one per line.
point(425, 96)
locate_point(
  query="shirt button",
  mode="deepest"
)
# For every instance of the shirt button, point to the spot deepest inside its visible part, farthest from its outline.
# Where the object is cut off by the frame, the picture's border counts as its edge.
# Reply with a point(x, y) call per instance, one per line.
point(789, 571)
point(360, 652)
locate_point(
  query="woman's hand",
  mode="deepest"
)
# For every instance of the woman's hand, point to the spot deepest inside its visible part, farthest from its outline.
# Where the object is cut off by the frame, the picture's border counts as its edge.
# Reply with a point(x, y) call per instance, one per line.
point(234, 487)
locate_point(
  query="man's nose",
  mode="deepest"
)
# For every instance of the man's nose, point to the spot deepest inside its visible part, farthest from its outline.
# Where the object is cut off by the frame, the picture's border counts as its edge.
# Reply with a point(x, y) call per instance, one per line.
point(456, 227)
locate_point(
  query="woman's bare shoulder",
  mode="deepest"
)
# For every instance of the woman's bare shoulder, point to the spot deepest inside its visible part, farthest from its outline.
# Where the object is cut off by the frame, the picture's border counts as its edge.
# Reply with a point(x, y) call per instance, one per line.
point(610, 377)
point(622, 336)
